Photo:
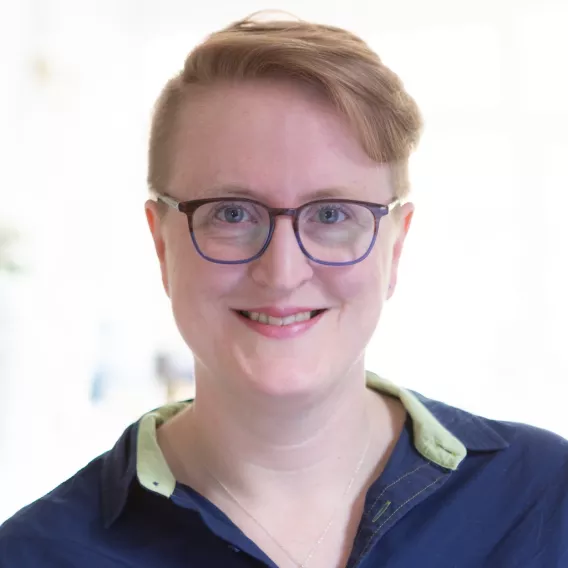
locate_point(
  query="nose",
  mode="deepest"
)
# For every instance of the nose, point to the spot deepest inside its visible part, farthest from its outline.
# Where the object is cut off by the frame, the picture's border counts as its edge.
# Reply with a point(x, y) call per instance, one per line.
point(283, 267)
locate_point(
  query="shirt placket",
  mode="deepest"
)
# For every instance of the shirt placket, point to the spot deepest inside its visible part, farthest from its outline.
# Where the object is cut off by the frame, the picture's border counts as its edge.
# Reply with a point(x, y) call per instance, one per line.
point(390, 502)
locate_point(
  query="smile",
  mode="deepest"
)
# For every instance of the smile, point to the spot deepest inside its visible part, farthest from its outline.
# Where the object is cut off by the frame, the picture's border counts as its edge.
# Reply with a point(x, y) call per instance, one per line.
point(275, 323)
point(266, 319)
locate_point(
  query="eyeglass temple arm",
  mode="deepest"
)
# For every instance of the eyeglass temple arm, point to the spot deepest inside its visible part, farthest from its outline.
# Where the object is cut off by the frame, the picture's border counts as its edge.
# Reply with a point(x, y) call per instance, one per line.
point(393, 204)
point(169, 201)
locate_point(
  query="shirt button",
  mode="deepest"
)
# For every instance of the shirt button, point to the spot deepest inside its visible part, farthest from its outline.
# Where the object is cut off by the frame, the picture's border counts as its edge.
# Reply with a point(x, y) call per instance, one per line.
point(234, 548)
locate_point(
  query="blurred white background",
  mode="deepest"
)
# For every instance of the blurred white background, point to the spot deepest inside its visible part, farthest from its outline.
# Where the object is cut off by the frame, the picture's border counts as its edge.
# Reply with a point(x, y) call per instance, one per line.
point(479, 318)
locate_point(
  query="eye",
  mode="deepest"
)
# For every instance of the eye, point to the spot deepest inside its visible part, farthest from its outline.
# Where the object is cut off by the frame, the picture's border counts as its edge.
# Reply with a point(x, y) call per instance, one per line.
point(231, 213)
point(330, 214)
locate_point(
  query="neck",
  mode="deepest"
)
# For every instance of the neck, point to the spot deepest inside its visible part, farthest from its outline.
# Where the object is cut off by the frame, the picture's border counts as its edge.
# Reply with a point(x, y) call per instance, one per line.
point(290, 446)
point(281, 435)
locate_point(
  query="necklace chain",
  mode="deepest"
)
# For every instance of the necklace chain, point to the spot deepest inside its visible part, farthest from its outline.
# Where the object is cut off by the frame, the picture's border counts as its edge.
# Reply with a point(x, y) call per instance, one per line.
point(304, 563)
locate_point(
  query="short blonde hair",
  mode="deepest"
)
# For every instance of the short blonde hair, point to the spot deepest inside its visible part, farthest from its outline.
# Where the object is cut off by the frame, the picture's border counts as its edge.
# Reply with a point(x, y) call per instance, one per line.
point(338, 63)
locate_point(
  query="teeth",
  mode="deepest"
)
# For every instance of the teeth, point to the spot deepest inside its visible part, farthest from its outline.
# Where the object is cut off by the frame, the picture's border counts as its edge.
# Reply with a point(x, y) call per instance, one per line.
point(271, 320)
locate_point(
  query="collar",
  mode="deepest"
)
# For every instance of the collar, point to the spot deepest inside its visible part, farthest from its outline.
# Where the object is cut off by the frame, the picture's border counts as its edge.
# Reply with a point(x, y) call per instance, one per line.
point(476, 433)
point(441, 434)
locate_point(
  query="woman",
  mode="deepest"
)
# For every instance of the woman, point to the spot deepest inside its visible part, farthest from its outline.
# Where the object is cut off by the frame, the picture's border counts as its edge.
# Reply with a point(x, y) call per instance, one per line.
point(278, 167)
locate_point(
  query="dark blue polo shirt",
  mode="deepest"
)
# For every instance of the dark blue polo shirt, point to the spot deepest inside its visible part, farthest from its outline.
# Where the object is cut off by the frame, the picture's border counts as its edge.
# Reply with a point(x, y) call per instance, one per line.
point(459, 491)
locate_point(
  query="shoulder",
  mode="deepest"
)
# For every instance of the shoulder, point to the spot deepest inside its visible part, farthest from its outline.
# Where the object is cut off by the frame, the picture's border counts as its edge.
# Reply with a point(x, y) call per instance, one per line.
point(525, 453)
point(512, 488)
point(68, 526)
point(63, 515)
point(531, 444)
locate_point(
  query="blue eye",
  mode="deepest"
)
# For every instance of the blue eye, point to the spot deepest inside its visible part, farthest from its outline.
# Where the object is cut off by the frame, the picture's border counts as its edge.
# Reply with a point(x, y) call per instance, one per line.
point(330, 215)
point(231, 214)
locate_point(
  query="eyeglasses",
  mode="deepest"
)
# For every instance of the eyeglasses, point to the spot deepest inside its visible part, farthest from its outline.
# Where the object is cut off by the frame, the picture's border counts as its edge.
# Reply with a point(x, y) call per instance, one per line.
point(333, 232)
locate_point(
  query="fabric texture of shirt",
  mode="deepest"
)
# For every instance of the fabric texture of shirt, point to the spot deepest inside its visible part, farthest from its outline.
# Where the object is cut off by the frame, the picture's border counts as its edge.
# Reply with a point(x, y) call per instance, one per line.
point(459, 491)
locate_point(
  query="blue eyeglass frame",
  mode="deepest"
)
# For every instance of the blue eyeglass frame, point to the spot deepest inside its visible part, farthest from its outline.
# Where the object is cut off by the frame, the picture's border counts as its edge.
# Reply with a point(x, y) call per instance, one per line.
point(189, 208)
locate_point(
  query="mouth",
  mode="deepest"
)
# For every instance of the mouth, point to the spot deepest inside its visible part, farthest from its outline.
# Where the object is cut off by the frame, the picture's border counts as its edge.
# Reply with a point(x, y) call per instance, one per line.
point(275, 321)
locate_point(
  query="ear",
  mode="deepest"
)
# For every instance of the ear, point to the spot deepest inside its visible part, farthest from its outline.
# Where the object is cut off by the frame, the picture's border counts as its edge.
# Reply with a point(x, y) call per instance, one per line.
point(402, 225)
point(156, 225)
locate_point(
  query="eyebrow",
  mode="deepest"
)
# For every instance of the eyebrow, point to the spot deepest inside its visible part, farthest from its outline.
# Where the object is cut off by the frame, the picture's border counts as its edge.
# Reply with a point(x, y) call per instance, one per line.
point(240, 191)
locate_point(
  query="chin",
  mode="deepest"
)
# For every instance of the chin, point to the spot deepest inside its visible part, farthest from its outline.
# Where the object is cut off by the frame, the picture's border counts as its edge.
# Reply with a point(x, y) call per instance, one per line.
point(270, 377)
point(282, 378)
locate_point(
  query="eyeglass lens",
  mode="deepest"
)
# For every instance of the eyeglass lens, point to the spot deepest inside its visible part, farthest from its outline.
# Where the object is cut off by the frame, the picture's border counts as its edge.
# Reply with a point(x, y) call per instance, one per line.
point(332, 232)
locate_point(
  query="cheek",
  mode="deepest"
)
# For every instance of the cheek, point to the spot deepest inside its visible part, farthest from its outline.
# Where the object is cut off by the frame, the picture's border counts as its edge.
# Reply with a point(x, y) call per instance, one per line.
point(358, 284)
point(201, 285)
point(198, 297)
point(360, 292)
point(198, 288)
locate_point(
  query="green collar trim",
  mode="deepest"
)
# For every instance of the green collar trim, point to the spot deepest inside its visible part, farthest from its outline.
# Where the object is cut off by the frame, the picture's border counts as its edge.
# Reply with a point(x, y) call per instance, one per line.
point(431, 439)
point(152, 469)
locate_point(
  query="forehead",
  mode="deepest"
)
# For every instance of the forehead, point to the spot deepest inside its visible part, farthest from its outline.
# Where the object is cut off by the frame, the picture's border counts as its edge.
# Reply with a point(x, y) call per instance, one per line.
point(279, 140)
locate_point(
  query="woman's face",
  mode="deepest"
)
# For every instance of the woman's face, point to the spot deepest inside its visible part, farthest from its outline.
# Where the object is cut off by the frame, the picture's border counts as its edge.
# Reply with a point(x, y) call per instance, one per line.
point(283, 145)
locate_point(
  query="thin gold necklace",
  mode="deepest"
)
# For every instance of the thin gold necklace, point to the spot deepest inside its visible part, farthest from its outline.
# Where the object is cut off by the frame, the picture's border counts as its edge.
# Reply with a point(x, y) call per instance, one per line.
point(304, 563)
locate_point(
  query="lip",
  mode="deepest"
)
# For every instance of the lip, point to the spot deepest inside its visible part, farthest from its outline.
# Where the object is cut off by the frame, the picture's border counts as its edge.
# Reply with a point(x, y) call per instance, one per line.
point(290, 331)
